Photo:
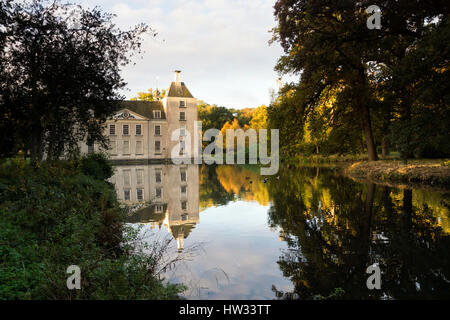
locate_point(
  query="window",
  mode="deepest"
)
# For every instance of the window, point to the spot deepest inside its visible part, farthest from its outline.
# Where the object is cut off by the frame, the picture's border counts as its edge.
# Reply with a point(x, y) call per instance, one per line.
point(112, 129)
point(183, 116)
point(183, 205)
point(125, 129)
point(182, 131)
point(126, 195)
point(182, 104)
point(157, 114)
point(90, 148)
point(183, 190)
point(184, 217)
point(183, 176)
point(139, 176)
point(113, 147)
point(157, 146)
point(139, 194)
point(139, 147)
point(182, 146)
point(126, 147)
point(138, 129)
point(126, 177)
point(158, 176)
point(157, 130)
point(158, 193)
point(158, 208)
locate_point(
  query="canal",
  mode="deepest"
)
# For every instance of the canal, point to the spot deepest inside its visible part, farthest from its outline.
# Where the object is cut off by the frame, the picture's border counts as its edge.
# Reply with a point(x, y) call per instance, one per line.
point(307, 233)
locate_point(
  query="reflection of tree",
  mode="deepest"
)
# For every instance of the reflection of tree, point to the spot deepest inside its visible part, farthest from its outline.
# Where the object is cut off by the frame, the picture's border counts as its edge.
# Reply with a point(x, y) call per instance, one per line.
point(224, 183)
point(211, 191)
point(236, 180)
point(335, 228)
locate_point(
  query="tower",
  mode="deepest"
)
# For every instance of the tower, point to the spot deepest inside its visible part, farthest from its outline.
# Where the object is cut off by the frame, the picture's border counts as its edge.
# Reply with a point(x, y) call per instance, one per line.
point(180, 107)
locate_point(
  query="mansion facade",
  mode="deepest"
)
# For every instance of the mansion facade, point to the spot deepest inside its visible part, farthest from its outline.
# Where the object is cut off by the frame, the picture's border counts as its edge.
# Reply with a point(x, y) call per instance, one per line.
point(142, 130)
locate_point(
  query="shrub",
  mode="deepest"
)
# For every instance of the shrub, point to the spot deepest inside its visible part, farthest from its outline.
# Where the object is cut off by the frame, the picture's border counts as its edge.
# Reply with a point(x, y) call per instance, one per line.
point(63, 214)
point(97, 165)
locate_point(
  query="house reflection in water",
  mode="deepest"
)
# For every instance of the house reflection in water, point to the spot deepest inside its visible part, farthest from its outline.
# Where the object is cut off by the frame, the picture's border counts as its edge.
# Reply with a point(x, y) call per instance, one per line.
point(171, 192)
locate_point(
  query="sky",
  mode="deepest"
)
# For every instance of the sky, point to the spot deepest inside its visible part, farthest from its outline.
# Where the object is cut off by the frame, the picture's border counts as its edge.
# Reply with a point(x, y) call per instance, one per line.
point(221, 47)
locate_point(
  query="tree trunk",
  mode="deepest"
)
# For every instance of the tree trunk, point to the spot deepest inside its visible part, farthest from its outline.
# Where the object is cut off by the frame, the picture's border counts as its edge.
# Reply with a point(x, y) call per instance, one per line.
point(384, 147)
point(368, 135)
point(365, 117)
point(36, 149)
point(405, 115)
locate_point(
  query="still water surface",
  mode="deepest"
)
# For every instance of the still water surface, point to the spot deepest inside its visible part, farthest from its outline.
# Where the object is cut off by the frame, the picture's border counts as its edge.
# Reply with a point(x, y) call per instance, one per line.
point(308, 233)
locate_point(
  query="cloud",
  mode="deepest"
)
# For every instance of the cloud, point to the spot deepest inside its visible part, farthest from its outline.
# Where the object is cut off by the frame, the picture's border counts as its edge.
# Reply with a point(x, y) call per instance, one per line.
point(220, 45)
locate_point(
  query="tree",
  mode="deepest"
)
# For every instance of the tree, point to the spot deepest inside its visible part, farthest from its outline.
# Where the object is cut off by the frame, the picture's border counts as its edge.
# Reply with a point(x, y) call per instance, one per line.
point(330, 47)
point(213, 116)
point(421, 79)
point(377, 76)
point(259, 118)
point(150, 95)
point(234, 125)
point(243, 115)
point(61, 75)
point(286, 113)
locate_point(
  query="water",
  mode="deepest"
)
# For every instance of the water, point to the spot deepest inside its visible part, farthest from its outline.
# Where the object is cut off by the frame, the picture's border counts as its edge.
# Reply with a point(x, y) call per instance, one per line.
point(308, 233)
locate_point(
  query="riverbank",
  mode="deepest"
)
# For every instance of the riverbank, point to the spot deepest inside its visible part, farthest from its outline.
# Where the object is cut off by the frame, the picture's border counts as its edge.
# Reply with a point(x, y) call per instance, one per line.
point(66, 213)
point(434, 173)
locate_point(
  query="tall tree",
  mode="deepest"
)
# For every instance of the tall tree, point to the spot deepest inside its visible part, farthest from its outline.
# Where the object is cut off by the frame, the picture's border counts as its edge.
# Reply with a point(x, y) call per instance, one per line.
point(328, 44)
point(61, 75)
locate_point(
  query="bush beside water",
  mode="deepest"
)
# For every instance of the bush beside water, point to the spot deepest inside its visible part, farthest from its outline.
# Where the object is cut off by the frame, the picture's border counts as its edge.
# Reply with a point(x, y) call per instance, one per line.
point(66, 213)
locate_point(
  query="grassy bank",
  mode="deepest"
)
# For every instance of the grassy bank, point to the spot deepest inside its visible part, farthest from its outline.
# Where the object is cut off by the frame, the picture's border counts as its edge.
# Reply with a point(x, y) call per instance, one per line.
point(64, 214)
point(332, 160)
point(428, 172)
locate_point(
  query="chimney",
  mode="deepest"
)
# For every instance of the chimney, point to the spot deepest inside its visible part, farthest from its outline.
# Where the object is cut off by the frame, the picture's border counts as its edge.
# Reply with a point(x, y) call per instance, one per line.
point(177, 75)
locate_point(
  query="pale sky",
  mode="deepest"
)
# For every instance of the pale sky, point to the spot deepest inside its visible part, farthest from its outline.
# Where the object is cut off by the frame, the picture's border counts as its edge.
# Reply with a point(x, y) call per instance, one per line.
point(221, 47)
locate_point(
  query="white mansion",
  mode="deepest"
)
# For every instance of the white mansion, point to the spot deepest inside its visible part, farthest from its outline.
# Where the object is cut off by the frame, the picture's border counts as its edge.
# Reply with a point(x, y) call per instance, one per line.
point(141, 130)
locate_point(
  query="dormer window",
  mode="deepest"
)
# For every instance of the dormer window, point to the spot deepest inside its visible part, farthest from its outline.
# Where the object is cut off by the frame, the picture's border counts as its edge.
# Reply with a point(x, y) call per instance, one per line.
point(157, 114)
point(182, 104)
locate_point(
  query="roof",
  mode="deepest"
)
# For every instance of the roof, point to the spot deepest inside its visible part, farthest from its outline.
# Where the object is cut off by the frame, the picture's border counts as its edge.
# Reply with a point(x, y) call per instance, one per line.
point(179, 89)
point(147, 214)
point(182, 229)
point(144, 108)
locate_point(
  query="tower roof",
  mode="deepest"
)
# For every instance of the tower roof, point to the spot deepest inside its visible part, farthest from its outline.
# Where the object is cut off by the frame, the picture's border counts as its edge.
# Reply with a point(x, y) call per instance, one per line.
point(179, 89)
